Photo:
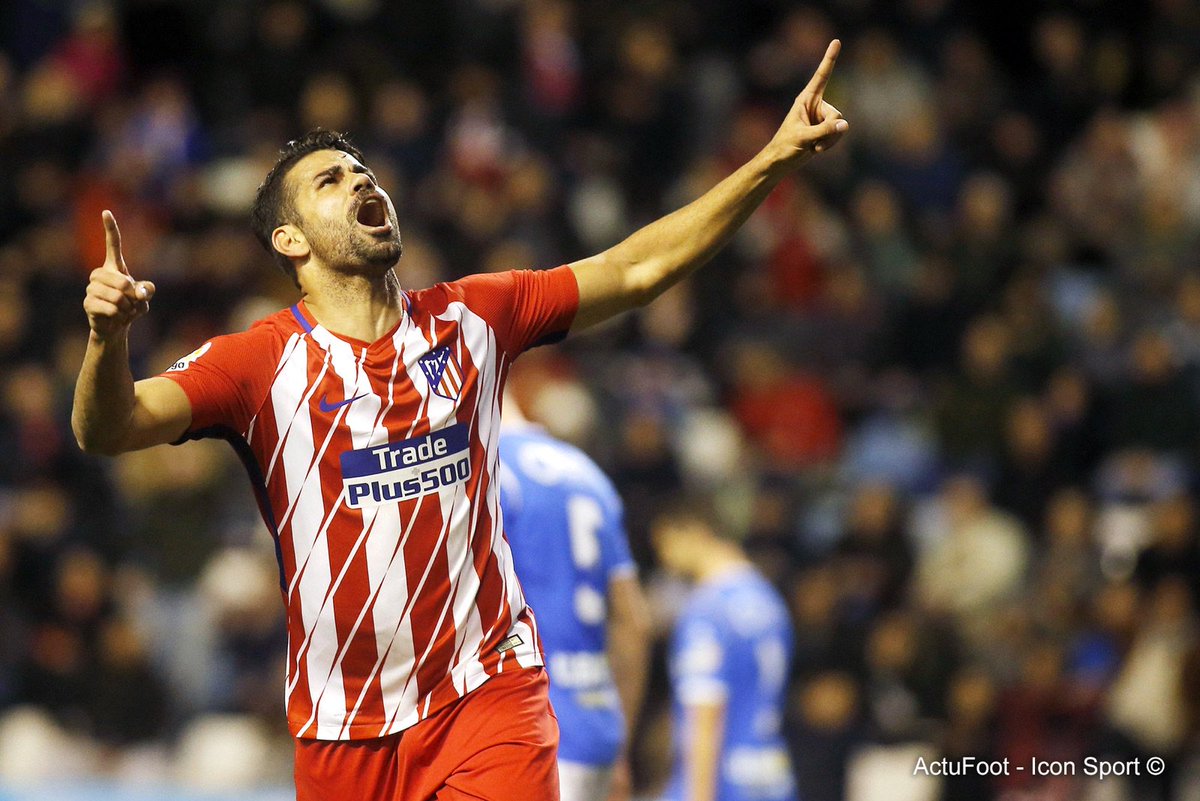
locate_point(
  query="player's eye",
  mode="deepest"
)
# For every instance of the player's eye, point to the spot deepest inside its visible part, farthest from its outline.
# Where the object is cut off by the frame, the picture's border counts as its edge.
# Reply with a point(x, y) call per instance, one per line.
point(325, 181)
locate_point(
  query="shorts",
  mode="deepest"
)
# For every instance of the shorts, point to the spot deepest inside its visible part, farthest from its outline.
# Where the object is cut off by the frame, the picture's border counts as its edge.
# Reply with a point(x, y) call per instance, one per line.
point(497, 743)
point(579, 782)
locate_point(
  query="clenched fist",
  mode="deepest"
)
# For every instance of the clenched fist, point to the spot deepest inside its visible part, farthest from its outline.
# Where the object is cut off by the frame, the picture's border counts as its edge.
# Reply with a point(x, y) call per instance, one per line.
point(114, 299)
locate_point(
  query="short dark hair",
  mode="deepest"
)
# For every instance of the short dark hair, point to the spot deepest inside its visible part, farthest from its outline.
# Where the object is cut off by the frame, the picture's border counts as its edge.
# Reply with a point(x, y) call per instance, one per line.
point(689, 508)
point(273, 205)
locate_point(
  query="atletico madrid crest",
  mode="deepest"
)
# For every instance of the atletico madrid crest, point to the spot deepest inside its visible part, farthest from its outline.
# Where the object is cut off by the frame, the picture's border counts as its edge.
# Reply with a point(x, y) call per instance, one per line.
point(443, 373)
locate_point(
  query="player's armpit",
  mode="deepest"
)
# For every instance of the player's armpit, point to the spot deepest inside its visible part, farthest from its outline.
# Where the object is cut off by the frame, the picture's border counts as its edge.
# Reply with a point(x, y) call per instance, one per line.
point(161, 414)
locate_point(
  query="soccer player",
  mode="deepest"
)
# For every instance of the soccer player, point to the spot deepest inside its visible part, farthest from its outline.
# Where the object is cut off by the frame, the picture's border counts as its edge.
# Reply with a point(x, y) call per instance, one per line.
point(728, 667)
point(563, 520)
point(367, 417)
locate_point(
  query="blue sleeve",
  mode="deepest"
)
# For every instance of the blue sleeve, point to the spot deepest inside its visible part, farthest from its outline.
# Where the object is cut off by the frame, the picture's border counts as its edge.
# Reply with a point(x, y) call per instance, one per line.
point(698, 661)
point(510, 490)
point(614, 542)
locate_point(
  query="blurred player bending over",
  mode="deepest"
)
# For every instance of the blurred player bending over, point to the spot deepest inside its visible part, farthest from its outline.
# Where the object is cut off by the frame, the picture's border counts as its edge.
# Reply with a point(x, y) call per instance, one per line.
point(564, 521)
point(728, 665)
point(367, 416)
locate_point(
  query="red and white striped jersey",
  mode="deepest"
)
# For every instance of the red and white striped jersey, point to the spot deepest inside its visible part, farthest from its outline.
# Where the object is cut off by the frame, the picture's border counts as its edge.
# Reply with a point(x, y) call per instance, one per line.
point(375, 468)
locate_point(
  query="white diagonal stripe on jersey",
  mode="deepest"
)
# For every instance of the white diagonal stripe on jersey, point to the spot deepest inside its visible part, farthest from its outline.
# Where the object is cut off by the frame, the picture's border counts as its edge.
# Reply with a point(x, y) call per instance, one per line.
point(479, 341)
point(294, 447)
point(300, 654)
point(394, 634)
point(464, 579)
point(287, 403)
point(349, 371)
point(380, 522)
point(316, 651)
point(331, 512)
point(322, 535)
point(522, 655)
point(286, 397)
point(412, 674)
point(291, 382)
point(331, 696)
point(302, 650)
point(488, 420)
point(453, 375)
point(388, 589)
point(321, 642)
point(394, 639)
point(464, 582)
point(387, 517)
point(294, 341)
point(296, 402)
point(305, 488)
point(500, 547)
point(440, 413)
point(316, 465)
point(379, 432)
point(396, 584)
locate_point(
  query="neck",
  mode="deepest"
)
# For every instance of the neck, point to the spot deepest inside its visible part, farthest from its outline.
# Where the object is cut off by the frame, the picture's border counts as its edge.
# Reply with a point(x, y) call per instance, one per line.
point(363, 307)
point(718, 558)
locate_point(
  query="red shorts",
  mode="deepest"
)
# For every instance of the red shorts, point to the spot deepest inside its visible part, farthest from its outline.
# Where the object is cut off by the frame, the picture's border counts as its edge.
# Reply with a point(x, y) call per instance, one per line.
point(497, 743)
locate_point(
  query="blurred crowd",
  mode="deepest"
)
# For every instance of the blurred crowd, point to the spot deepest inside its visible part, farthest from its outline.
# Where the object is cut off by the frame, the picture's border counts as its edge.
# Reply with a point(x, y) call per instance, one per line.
point(944, 386)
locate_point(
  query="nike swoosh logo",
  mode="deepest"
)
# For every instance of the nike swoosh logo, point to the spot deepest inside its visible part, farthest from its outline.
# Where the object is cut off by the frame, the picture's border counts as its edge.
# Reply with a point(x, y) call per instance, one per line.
point(333, 407)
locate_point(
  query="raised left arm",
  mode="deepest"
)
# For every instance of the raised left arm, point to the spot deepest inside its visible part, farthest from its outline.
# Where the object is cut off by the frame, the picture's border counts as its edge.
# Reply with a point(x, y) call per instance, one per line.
point(638, 269)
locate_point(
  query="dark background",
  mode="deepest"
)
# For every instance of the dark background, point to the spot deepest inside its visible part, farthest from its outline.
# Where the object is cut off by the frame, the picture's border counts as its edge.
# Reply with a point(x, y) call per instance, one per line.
point(944, 386)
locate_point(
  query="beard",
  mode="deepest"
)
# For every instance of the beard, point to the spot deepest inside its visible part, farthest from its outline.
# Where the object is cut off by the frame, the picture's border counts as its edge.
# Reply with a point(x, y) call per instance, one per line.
point(384, 251)
point(349, 247)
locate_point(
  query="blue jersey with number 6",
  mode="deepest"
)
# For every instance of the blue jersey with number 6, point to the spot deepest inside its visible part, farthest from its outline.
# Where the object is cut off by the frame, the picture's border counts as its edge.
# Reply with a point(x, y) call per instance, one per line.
point(731, 647)
point(564, 523)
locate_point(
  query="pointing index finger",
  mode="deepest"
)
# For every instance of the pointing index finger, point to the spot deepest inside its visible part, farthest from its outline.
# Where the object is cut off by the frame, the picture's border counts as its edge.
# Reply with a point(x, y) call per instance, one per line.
point(820, 78)
point(112, 242)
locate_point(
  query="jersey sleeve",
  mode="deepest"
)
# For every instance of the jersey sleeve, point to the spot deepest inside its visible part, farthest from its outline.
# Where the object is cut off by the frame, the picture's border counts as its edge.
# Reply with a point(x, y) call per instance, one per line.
point(614, 543)
point(525, 308)
point(697, 662)
point(511, 497)
point(225, 380)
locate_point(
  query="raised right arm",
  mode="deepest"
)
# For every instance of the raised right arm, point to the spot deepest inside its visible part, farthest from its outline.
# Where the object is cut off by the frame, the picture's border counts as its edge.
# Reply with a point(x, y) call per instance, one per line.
point(113, 414)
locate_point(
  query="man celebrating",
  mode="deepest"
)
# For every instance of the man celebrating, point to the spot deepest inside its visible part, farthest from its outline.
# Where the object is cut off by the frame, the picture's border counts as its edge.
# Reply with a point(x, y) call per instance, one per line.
point(367, 416)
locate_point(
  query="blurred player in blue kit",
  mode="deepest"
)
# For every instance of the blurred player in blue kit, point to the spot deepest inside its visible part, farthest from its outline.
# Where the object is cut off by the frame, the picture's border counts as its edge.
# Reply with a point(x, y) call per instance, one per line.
point(728, 665)
point(564, 523)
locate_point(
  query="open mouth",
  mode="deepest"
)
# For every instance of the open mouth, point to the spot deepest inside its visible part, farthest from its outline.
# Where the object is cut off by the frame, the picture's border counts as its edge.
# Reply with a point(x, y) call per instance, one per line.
point(372, 213)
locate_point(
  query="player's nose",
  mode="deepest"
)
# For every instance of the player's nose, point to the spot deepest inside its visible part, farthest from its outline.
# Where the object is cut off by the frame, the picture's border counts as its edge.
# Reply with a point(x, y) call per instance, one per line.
point(361, 182)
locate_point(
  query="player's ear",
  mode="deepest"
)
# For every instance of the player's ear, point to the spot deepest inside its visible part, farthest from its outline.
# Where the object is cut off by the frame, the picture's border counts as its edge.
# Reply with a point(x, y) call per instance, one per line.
point(290, 241)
